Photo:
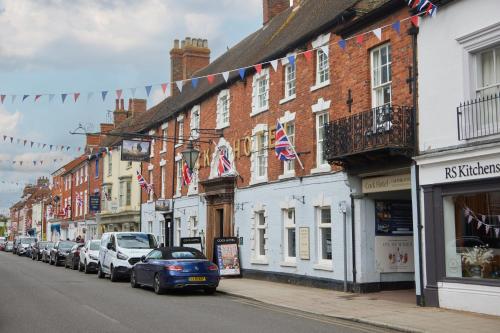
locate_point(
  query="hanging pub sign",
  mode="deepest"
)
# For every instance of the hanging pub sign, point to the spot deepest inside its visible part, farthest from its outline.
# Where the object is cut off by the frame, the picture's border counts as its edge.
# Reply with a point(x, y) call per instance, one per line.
point(227, 257)
point(136, 150)
point(194, 242)
point(95, 203)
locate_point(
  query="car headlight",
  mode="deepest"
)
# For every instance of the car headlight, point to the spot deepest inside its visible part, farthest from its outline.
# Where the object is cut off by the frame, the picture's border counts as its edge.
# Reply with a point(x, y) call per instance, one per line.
point(93, 257)
point(121, 256)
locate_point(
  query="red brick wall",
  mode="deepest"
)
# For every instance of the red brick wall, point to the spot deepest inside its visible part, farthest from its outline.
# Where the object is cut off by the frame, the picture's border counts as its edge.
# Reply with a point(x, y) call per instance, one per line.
point(271, 8)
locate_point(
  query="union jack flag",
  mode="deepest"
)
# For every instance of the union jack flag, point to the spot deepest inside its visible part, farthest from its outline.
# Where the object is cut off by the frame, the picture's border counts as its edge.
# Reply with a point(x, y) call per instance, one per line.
point(283, 147)
point(143, 183)
point(187, 174)
point(223, 166)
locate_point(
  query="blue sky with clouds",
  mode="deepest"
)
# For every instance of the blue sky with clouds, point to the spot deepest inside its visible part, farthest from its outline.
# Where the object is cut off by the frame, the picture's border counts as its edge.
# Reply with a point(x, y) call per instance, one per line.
point(58, 46)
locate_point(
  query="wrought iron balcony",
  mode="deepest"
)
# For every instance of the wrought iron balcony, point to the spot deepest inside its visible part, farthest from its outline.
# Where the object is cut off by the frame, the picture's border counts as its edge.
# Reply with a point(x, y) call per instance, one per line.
point(380, 134)
point(479, 117)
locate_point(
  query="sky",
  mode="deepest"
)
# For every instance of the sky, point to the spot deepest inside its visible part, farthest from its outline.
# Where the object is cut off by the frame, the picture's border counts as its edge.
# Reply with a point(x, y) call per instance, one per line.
point(59, 46)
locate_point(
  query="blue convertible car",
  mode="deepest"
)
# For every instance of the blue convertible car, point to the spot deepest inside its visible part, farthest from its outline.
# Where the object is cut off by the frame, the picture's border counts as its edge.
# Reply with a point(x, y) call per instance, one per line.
point(175, 268)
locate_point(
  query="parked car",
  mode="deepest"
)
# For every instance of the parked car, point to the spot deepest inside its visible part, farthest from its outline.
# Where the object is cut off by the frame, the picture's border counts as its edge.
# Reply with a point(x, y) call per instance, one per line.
point(89, 256)
point(46, 251)
point(73, 258)
point(175, 268)
point(24, 245)
point(119, 251)
point(9, 246)
point(36, 250)
point(3, 240)
point(59, 252)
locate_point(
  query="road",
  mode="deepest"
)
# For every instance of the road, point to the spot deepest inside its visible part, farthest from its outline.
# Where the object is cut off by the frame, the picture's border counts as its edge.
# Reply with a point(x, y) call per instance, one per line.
point(37, 297)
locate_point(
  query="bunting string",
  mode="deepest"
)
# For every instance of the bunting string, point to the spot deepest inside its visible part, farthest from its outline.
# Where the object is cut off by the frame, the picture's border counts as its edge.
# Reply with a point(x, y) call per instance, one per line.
point(423, 7)
point(39, 163)
point(34, 144)
point(481, 219)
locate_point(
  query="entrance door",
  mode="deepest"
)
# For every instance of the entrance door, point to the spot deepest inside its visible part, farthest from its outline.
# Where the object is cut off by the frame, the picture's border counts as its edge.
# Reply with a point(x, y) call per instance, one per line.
point(219, 224)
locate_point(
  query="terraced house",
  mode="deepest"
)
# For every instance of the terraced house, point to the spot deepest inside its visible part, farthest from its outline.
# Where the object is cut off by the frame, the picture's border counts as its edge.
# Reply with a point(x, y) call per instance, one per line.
point(338, 76)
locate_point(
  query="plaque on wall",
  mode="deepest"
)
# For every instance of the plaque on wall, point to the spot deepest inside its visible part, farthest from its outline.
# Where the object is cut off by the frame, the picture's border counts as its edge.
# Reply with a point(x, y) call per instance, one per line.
point(304, 252)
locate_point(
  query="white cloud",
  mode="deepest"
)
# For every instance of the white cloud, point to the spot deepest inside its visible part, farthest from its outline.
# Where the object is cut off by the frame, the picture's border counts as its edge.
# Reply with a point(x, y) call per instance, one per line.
point(8, 122)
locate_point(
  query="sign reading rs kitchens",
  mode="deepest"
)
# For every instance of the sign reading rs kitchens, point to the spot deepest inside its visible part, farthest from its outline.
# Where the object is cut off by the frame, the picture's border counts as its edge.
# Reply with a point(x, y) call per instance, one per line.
point(471, 170)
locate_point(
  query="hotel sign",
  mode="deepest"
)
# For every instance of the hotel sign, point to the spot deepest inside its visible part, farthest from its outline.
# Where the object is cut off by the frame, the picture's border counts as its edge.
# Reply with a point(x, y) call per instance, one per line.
point(387, 183)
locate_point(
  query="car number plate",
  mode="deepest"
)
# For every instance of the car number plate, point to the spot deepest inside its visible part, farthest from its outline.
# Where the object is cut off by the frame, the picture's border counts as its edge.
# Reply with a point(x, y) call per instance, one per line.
point(197, 278)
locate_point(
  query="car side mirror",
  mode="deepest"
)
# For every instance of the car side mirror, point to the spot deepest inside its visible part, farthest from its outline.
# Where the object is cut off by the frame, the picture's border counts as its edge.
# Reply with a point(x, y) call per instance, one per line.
point(143, 259)
point(109, 246)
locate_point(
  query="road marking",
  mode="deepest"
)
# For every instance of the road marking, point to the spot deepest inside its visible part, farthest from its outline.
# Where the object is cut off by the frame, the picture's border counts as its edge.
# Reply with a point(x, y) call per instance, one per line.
point(361, 327)
point(101, 314)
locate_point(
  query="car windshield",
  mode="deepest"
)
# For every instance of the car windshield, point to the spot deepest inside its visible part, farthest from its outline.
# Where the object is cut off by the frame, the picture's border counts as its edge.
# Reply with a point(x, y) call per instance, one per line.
point(186, 254)
point(94, 245)
point(66, 245)
point(27, 240)
point(136, 241)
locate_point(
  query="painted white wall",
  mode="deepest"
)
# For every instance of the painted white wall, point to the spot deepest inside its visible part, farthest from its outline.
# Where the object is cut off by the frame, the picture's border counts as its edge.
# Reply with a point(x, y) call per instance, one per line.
point(443, 74)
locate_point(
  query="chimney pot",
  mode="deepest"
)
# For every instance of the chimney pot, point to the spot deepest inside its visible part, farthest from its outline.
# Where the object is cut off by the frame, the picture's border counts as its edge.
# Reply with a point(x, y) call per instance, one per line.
point(122, 105)
point(188, 41)
point(183, 44)
point(117, 107)
point(205, 43)
point(176, 43)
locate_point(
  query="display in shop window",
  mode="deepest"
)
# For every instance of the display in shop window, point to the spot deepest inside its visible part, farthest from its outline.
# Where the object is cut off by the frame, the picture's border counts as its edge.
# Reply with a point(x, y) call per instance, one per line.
point(393, 217)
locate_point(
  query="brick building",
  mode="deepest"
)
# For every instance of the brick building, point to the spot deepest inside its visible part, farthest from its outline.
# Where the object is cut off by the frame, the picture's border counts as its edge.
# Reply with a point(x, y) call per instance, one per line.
point(326, 223)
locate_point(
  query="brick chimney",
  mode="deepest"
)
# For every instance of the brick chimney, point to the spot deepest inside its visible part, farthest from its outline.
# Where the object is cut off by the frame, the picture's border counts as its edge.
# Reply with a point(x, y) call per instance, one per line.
point(274, 7)
point(190, 56)
point(119, 115)
point(136, 106)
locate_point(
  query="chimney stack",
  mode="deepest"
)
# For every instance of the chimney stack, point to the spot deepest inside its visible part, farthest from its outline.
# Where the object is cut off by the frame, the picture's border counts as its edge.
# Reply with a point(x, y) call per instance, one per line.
point(136, 106)
point(272, 8)
point(192, 55)
point(119, 115)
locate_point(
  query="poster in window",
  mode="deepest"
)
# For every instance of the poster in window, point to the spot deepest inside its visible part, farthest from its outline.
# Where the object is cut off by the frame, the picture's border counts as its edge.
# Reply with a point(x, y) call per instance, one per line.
point(226, 255)
point(135, 150)
point(394, 254)
point(393, 217)
point(304, 243)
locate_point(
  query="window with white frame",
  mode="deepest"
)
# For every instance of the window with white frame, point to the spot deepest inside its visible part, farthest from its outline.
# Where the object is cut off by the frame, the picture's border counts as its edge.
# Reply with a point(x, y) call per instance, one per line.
point(322, 67)
point(260, 234)
point(150, 227)
point(178, 231)
point(195, 122)
point(162, 180)
point(193, 226)
point(381, 75)
point(180, 131)
point(85, 202)
point(321, 120)
point(151, 181)
point(164, 136)
point(289, 166)
point(161, 236)
point(324, 235)
point(125, 193)
point(290, 80)
point(289, 243)
point(178, 185)
point(152, 150)
point(259, 154)
point(110, 164)
point(260, 91)
point(86, 172)
point(223, 104)
point(488, 72)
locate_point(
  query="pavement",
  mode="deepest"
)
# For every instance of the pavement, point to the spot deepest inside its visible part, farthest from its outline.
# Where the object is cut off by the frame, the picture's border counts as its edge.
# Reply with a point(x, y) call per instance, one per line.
point(37, 297)
point(393, 309)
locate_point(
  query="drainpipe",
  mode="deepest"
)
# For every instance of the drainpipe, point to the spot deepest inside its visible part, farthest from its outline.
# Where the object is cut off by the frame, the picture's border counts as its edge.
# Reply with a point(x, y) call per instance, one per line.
point(170, 239)
point(353, 244)
point(413, 32)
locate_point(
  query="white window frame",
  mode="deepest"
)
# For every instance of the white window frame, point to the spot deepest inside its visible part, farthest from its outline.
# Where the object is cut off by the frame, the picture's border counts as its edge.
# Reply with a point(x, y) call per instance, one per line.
point(164, 135)
point(180, 131)
point(257, 254)
point(86, 172)
point(289, 224)
point(178, 176)
point(289, 166)
point(178, 231)
point(259, 154)
point(163, 186)
point(320, 226)
point(194, 124)
point(377, 87)
point(150, 227)
point(153, 141)
point(260, 81)
point(161, 236)
point(496, 72)
point(290, 82)
point(193, 226)
point(223, 108)
point(319, 141)
point(321, 44)
point(110, 164)
point(85, 202)
point(151, 183)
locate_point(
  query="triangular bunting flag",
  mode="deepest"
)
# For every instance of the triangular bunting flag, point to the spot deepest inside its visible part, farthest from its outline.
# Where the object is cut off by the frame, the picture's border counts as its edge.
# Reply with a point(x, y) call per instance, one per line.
point(422, 4)
point(164, 87)
point(487, 228)
point(37, 97)
point(291, 59)
point(433, 11)
point(415, 20)
point(103, 95)
point(63, 97)
point(308, 55)
point(325, 49)
point(4, 137)
point(25, 142)
point(359, 39)
point(50, 147)
point(194, 82)
point(25, 96)
point(258, 69)
point(274, 64)
point(21, 163)
point(51, 97)
point(34, 162)
point(44, 145)
point(479, 224)
point(225, 75)
point(179, 85)
point(11, 139)
point(397, 26)
point(2, 98)
point(342, 44)
point(483, 218)
point(89, 96)
point(210, 78)
point(148, 90)
point(132, 91)
point(469, 220)
point(119, 93)
point(241, 71)
point(75, 96)
point(32, 143)
point(378, 33)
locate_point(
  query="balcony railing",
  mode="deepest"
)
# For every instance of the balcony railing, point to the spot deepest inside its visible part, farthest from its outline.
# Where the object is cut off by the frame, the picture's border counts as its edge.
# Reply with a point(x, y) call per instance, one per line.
point(479, 117)
point(382, 128)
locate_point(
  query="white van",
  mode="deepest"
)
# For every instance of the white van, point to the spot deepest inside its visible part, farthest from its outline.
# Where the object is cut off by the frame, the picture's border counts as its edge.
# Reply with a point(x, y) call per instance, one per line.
point(119, 251)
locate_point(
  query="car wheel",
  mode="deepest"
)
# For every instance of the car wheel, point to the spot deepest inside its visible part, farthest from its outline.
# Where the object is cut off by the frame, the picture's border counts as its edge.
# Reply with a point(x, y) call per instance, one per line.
point(113, 275)
point(80, 267)
point(133, 280)
point(100, 273)
point(157, 285)
point(210, 290)
point(75, 265)
point(86, 268)
point(56, 263)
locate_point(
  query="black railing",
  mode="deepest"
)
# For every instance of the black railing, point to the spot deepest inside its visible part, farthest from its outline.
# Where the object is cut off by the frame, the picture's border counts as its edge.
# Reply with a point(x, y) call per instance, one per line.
point(379, 128)
point(479, 117)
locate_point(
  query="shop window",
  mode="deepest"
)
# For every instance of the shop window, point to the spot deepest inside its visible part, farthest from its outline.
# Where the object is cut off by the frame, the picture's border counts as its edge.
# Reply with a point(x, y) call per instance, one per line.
point(472, 235)
point(289, 243)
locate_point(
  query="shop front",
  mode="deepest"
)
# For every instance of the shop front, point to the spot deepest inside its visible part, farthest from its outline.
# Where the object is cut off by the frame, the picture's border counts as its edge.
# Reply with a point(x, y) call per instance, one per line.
point(461, 204)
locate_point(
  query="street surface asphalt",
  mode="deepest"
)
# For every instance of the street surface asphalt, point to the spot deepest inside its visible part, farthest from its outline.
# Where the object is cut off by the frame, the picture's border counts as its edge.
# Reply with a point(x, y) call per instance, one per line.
point(36, 297)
